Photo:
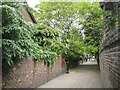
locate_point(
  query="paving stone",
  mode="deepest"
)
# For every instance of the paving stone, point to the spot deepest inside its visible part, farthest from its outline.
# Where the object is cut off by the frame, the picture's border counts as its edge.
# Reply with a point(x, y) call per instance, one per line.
point(82, 76)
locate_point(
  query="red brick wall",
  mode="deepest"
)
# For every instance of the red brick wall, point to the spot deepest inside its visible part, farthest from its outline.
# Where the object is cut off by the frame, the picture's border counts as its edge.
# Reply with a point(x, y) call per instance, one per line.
point(28, 74)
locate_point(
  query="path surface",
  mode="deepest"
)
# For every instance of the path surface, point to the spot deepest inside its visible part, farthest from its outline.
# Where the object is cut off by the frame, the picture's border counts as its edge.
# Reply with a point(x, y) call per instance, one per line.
point(82, 76)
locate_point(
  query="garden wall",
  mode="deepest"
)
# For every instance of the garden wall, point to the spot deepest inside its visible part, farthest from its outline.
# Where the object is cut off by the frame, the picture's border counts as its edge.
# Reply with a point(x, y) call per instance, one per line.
point(110, 49)
point(28, 74)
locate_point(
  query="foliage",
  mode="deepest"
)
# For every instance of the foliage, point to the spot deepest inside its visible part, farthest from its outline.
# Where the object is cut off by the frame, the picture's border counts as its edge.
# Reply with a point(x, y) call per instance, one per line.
point(16, 34)
point(11, 4)
point(93, 26)
point(71, 18)
point(59, 31)
point(19, 39)
point(110, 19)
point(48, 38)
point(76, 46)
point(59, 16)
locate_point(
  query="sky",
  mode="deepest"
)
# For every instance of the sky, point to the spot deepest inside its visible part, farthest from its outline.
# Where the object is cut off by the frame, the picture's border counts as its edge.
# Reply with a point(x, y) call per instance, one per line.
point(32, 3)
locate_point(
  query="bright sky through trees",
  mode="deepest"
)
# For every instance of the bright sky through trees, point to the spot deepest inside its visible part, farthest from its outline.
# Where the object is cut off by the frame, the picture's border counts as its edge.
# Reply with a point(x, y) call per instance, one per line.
point(32, 3)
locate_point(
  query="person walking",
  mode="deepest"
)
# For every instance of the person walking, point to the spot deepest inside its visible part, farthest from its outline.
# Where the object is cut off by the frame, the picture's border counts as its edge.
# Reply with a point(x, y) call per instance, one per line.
point(68, 66)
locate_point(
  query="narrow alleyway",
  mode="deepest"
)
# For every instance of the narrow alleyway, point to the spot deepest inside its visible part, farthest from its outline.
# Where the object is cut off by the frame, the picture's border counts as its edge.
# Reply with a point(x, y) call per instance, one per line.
point(82, 76)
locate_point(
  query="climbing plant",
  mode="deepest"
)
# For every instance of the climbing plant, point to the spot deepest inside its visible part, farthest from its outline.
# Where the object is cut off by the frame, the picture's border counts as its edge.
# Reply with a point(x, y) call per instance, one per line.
point(110, 19)
point(16, 34)
point(21, 39)
point(48, 39)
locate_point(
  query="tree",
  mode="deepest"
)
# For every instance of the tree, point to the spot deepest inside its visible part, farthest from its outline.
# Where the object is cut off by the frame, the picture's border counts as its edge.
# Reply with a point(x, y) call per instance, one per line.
point(71, 18)
point(93, 26)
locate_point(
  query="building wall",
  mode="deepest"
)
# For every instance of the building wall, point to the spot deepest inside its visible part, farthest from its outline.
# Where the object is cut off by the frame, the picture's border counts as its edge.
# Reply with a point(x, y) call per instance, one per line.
point(27, 74)
point(110, 49)
point(27, 15)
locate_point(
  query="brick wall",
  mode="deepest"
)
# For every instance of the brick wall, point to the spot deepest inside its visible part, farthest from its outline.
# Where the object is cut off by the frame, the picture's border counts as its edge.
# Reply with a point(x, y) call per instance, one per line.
point(110, 48)
point(28, 74)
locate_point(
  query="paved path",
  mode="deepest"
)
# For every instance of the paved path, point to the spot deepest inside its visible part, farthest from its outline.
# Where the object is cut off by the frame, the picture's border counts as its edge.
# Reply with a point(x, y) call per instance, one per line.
point(82, 76)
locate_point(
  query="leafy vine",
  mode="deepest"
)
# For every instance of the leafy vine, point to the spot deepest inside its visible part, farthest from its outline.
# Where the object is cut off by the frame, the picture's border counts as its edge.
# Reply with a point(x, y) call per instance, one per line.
point(22, 39)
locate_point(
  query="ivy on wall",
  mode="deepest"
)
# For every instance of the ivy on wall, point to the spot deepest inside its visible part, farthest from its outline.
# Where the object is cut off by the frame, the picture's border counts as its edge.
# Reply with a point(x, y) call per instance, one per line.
point(48, 38)
point(111, 16)
point(22, 39)
point(110, 20)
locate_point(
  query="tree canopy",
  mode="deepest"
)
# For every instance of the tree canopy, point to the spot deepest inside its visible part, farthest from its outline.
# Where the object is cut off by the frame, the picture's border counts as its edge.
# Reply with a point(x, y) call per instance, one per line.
point(70, 29)
point(80, 24)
